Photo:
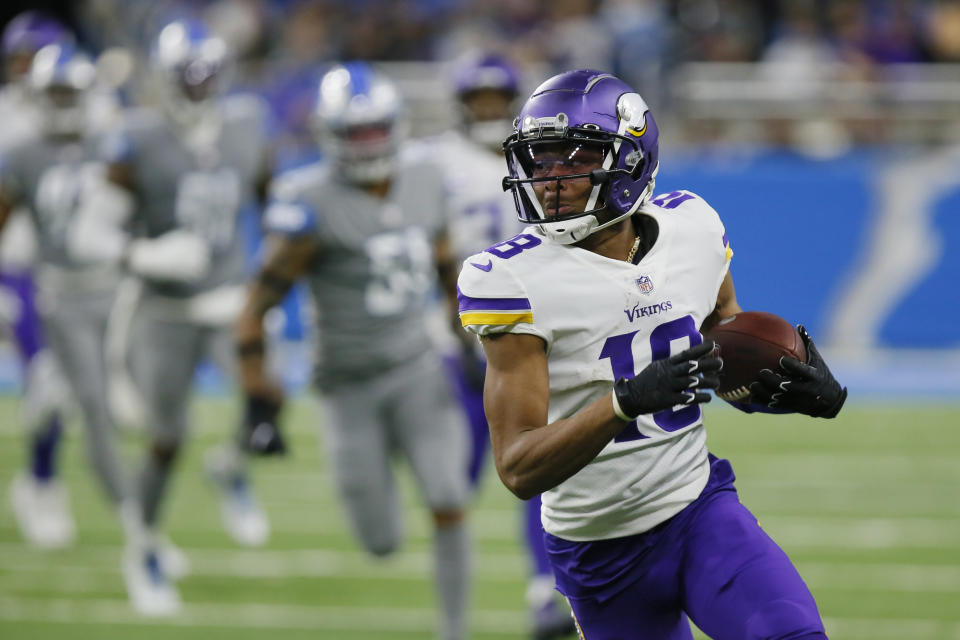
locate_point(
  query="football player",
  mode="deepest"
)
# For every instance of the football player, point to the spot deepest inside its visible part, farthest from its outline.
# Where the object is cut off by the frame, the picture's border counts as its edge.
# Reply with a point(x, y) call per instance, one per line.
point(365, 229)
point(598, 409)
point(40, 502)
point(168, 212)
point(482, 214)
point(49, 173)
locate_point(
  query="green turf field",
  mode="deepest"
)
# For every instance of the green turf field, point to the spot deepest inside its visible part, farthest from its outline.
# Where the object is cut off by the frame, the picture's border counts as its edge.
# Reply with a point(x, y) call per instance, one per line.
point(867, 505)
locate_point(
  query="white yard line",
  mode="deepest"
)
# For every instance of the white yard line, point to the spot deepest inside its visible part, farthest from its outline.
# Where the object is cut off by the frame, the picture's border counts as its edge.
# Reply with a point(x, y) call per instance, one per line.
point(792, 531)
point(321, 618)
point(253, 615)
point(893, 628)
point(25, 569)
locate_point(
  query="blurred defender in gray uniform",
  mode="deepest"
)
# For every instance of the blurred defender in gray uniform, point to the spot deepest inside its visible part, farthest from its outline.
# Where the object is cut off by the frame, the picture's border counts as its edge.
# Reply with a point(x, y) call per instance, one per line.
point(38, 498)
point(367, 230)
point(48, 172)
point(176, 181)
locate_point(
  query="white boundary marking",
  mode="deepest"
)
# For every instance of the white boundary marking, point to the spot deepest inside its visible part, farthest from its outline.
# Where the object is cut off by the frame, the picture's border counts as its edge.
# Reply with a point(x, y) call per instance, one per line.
point(321, 618)
point(98, 564)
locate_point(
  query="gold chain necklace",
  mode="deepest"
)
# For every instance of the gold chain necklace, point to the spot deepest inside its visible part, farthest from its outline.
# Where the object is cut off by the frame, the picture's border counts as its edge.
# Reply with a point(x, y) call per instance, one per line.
point(633, 251)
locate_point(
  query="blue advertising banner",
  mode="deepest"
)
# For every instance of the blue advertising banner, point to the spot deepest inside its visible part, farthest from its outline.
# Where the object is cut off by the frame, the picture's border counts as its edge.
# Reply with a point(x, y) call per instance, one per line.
point(863, 249)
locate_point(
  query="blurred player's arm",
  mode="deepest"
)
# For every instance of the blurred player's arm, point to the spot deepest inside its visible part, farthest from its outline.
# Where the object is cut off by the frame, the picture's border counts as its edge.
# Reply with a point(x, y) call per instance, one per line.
point(531, 455)
point(286, 259)
point(100, 234)
point(447, 271)
point(7, 205)
point(10, 196)
point(471, 361)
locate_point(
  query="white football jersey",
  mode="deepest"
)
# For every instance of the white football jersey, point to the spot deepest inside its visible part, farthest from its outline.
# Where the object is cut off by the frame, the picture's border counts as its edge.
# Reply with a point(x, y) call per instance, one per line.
point(603, 319)
point(480, 212)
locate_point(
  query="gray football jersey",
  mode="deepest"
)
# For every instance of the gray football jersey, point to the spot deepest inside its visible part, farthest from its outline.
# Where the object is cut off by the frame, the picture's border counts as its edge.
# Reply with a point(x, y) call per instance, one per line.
point(49, 176)
point(199, 188)
point(375, 270)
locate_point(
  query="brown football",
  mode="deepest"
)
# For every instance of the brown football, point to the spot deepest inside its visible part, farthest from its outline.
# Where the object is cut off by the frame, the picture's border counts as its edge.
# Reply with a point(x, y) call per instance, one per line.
point(750, 341)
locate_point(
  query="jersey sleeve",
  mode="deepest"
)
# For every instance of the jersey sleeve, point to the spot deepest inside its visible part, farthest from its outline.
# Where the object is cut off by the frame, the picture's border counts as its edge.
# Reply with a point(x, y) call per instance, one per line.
point(288, 211)
point(492, 300)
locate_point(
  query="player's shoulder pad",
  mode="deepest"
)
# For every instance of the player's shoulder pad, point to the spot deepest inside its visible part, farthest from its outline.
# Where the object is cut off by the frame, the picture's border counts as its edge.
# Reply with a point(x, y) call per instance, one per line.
point(687, 204)
point(289, 211)
point(490, 296)
point(701, 219)
point(490, 291)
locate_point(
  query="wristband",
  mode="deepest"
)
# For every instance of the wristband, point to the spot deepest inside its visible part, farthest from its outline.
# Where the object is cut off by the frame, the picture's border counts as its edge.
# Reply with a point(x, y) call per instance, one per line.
point(250, 348)
point(617, 410)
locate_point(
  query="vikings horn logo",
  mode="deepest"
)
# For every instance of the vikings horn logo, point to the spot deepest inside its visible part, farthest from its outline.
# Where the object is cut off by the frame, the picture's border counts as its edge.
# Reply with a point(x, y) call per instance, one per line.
point(632, 110)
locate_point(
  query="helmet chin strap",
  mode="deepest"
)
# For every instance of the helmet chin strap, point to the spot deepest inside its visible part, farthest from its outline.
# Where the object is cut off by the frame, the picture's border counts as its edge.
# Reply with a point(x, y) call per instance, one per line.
point(573, 231)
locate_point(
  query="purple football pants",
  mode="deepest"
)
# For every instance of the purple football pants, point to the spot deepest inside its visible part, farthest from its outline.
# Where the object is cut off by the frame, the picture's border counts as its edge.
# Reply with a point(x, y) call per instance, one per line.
point(27, 328)
point(471, 400)
point(711, 562)
point(29, 336)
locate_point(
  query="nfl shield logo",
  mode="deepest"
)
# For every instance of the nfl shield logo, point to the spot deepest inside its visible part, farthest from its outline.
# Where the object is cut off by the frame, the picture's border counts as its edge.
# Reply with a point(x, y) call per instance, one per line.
point(645, 284)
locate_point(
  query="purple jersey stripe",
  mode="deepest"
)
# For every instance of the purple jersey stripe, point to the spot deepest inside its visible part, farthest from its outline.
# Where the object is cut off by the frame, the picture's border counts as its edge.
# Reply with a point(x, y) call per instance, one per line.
point(491, 304)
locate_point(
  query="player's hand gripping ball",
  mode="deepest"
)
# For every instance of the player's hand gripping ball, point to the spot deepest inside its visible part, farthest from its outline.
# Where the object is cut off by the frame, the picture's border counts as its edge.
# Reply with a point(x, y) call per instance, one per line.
point(750, 342)
point(807, 388)
point(680, 379)
point(766, 361)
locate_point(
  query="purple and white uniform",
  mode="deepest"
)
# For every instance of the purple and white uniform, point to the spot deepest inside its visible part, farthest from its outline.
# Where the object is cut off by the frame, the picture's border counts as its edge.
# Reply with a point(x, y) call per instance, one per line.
point(601, 319)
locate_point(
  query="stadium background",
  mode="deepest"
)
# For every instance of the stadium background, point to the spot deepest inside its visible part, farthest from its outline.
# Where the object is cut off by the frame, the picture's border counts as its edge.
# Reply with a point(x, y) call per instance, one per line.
point(827, 135)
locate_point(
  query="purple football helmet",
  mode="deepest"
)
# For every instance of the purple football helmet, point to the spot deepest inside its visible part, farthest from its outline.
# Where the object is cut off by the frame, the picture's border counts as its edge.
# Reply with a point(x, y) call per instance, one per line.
point(486, 71)
point(486, 119)
point(577, 114)
point(31, 31)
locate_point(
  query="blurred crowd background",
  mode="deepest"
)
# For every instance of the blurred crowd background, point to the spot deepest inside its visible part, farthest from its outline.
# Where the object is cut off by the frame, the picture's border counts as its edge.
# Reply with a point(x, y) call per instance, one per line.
point(816, 75)
point(840, 114)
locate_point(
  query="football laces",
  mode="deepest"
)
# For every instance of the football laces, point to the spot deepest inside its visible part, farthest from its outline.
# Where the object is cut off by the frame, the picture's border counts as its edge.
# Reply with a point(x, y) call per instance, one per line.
point(734, 394)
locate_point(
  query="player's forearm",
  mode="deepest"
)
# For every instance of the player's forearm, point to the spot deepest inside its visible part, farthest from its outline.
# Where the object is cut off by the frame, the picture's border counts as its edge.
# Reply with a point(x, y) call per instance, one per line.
point(250, 344)
point(540, 458)
point(6, 207)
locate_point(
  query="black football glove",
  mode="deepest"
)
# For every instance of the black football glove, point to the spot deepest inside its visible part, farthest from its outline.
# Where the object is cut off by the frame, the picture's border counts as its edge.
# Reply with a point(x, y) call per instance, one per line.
point(260, 435)
point(801, 388)
point(668, 382)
